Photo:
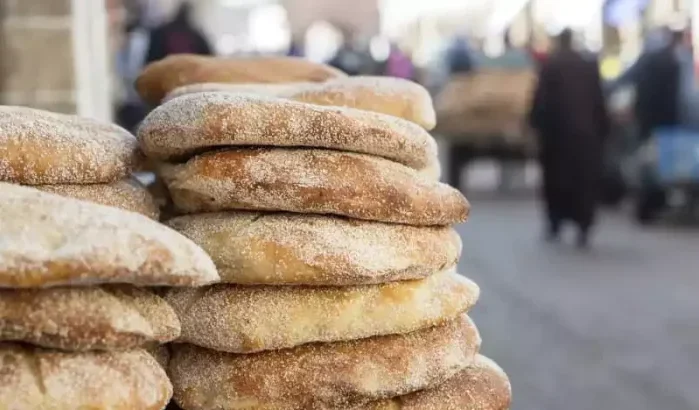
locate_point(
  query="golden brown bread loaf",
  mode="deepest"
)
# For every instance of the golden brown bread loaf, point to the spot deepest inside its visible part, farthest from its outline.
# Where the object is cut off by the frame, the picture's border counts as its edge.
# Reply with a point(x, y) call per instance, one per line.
point(38, 379)
point(88, 318)
point(386, 95)
point(161, 77)
point(312, 181)
point(128, 195)
point(49, 240)
point(245, 319)
point(481, 386)
point(198, 122)
point(300, 249)
point(40, 147)
point(323, 376)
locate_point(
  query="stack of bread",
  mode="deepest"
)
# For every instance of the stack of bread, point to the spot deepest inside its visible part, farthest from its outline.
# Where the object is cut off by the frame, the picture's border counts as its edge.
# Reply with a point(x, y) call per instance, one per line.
point(334, 245)
point(75, 320)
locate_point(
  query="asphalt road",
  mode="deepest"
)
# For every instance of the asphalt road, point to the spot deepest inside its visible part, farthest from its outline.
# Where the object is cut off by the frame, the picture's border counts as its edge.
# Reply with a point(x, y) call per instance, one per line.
point(614, 328)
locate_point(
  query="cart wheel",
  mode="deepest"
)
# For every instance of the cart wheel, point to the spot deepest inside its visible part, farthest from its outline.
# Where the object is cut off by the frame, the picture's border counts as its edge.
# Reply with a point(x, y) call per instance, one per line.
point(649, 204)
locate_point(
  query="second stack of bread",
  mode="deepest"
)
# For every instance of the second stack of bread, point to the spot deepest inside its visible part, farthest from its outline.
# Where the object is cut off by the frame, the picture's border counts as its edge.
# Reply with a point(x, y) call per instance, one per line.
point(336, 253)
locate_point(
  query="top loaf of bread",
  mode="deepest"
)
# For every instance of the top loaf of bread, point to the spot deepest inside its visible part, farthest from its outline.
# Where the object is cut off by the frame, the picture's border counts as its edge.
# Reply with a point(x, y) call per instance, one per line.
point(161, 77)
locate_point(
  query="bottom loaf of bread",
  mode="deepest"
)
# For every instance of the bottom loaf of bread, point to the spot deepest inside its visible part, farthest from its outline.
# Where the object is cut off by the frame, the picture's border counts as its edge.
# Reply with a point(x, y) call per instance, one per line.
point(481, 386)
point(323, 375)
point(32, 378)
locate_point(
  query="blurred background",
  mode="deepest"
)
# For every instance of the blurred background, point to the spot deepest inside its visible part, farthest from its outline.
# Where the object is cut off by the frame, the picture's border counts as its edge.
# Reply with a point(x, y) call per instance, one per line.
point(612, 323)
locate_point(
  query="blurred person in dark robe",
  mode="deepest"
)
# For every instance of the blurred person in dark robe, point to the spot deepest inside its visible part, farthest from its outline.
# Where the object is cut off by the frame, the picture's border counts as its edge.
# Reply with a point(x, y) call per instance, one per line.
point(569, 113)
point(178, 36)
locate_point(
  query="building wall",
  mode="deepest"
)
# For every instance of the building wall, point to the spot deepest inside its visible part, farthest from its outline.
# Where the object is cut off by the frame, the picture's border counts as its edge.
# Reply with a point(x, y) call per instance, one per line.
point(36, 54)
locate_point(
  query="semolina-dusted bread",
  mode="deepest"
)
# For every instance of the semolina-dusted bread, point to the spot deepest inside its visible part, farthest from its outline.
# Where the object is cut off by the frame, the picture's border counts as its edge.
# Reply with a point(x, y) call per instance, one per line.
point(41, 147)
point(161, 77)
point(39, 379)
point(128, 195)
point(246, 319)
point(86, 318)
point(195, 123)
point(49, 240)
point(325, 375)
point(312, 181)
point(253, 248)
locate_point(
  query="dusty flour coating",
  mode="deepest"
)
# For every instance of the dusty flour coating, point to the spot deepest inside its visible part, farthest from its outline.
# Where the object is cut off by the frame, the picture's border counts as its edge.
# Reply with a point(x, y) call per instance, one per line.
point(195, 122)
point(48, 240)
point(40, 147)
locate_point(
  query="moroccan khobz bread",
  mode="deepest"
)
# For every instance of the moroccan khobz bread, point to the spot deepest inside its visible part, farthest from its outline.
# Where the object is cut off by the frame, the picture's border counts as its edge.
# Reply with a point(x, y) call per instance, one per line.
point(324, 375)
point(40, 147)
point(35, 378)
point(49, 240)
point(128, 195)
point(254, 248)
point(161, 77)
point(386, 95)
point(245, 319)
point(86, 318)
point(194, 123)
point(481, 386)
point(312, 181)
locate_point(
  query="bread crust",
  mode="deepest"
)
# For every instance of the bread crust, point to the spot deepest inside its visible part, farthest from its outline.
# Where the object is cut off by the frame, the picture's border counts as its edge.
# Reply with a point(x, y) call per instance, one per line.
point(159, 78)
point(323, 376)
point(40, 147)
point(481, 386)
point(246, 319)
point(127, 194)
point(312, 181)
point(49, 240)
point(198, 122)
point(253, 248)
point(88, 318)
point(386, 95)
point(38, 379)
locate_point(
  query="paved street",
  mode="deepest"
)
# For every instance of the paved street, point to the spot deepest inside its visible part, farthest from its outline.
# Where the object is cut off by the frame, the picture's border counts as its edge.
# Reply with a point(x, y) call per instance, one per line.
point(616, 328)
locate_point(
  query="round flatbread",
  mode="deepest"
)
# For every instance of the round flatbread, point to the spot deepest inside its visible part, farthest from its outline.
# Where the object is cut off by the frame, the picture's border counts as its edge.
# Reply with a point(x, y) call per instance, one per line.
point(301, 249)
point(161, 77)
point(198, 122)
point(128, 195)
point(393, 96)
point(40, 147)
point(312, 181)
point(49, 240)
point(245, 319)
point(323, 376)
point(34, 378)
point(89, 318)
point(481, 386)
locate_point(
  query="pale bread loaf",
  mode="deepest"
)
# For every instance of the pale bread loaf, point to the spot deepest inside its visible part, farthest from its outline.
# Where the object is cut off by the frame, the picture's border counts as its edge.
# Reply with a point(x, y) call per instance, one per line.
point(245, 319)
point(128, 195)
point(49, 240)
point(161, 77)
point(38, 379)
point(40, 147)
point(312, 181)
point(323, 376)
point(481, 386)
point(198, 122)
point(88, 318)
point(302, 249)
point(386, 95)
